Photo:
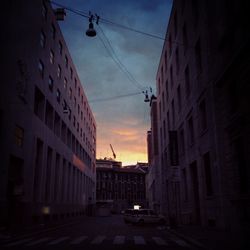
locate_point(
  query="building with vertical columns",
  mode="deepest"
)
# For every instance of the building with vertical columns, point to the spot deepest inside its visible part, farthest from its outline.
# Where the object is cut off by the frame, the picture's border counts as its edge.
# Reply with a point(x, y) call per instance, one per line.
point(48, 132)
point(203, 115)
point(122, 187)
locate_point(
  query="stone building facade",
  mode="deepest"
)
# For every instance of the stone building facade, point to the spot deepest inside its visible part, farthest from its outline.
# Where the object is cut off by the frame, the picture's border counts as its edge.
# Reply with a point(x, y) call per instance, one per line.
point(48, 132)
point(122, 187)
point(203, 114)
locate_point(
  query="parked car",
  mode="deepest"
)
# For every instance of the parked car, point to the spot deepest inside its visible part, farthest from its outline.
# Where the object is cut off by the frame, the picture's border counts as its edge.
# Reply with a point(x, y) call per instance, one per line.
point(143, 216)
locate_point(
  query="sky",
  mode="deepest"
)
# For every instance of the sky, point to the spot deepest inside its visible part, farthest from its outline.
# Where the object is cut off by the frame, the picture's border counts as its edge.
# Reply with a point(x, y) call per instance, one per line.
point(121, 121)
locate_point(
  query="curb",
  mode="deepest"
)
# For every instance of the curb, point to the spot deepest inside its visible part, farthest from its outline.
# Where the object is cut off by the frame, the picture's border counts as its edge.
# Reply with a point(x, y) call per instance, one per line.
point(189, 239)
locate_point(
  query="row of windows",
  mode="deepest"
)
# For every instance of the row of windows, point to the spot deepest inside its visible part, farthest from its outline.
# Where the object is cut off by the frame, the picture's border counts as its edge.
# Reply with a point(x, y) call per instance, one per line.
point(187, 174)
point(66, 106)
point(190, 129)
point(59, 69)
point(44, 110)
point(63, 182)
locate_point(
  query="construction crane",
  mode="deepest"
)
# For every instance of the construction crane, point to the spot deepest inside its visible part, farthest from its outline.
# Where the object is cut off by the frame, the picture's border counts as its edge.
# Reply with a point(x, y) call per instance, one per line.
point(114, 155)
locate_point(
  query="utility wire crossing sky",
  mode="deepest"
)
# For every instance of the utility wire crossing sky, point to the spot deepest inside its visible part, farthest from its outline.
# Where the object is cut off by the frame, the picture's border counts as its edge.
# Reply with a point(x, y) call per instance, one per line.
point(117, 67)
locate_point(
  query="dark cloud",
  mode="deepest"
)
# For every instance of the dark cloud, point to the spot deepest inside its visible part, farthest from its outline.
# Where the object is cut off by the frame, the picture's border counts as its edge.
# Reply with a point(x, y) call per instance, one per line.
point(122, 121)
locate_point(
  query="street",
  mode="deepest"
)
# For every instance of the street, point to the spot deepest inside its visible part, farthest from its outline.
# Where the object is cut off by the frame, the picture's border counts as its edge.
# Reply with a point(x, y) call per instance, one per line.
point(97, 232)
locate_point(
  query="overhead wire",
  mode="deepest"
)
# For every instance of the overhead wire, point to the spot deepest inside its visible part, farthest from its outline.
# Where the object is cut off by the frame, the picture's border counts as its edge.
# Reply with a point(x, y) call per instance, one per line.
point(114, 97)
point(120, 64)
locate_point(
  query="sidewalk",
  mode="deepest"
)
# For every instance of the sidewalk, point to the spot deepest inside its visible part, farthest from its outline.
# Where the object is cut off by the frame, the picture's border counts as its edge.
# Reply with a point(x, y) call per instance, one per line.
point(212, 238)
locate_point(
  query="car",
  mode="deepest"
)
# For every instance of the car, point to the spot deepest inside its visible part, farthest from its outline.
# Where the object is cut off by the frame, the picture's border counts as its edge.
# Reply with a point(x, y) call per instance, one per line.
point(143, 216)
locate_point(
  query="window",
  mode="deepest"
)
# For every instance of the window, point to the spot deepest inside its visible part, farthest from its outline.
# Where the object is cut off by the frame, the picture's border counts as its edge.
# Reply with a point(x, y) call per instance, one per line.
point(171, 76)
point(79, 91)
point(44, 11)
point(19, 136)
point(41, 68)
point(78, 109)
point(58, 95)
point(175, 24)
point(51, 56)
point(60, 47)
point(185, 186)
point(70, 93)
point(59, 71)
point(208, 175)
point(66, 61)
point(53, 31)
point(51, 83)
point(187, 81)
point(173, 113)
point(198, 59)
point(39, 104)
point(185, 40)
point(81, 115)
point(75, 83)
point(203, 115)
point(166, 61)
point(170, 44)
point(42, 39)
point(77, 126)
point(167, 90)
point(177, 61)
point(74, 121)
point(82, 99)
point(182, 142)
point(65, 83)
point(71, 73)
point(191, 130)
point(163, 101)
point(74, 101)
point(179, 97)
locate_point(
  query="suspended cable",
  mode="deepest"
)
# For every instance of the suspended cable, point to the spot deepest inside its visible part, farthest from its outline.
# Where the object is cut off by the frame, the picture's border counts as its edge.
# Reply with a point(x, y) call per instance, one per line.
point(125, 70)
point(106, 21)
point(114, 97)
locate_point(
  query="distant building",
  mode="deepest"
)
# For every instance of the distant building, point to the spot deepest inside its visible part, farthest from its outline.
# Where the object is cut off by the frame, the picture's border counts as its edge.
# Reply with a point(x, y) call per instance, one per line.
point(121, 186)
point(204, 115)
point(47, 129)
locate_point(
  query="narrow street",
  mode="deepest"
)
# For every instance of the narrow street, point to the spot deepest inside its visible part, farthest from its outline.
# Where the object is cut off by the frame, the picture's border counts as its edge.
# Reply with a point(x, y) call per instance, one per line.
point(98, 233)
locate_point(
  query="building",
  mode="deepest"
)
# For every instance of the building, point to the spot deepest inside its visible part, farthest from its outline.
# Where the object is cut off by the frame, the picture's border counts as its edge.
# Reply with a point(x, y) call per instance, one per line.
point(203, 115)
point(122, 187)
point(48, 132)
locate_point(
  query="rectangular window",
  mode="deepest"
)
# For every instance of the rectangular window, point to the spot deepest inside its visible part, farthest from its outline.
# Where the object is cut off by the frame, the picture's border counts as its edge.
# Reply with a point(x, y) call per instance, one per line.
point(179, 98)
point(74, 121)
point(71, 73)
point(19, 136)
point(198, 59)
point(203, 115)
point(177, 61)
point(70, 93)
point(60, 47)
point(173, 113)
point(66, 61)
point(185, 39)
point(171, 76)
point(166, 61)
point(44, 10)
point(191, 130)
point(167, 95)
point(41, 68)
point(49, 115)
point(53, 31)
point(57, 124)
point(187, 81)
point(175, 24)
point(51, 56)
point(42, 39)
point(39, 104)
point(58, 95)
point(65, 83)
point(51, 83)
point(208, 175)
point(182, 142)
point(163, 101)
point(79, 91)
point(170, 44)
point(185, 186)
point(59, 71)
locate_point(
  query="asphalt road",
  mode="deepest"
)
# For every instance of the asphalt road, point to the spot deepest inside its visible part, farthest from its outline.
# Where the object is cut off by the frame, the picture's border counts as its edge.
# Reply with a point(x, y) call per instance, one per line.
point(97, 233)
